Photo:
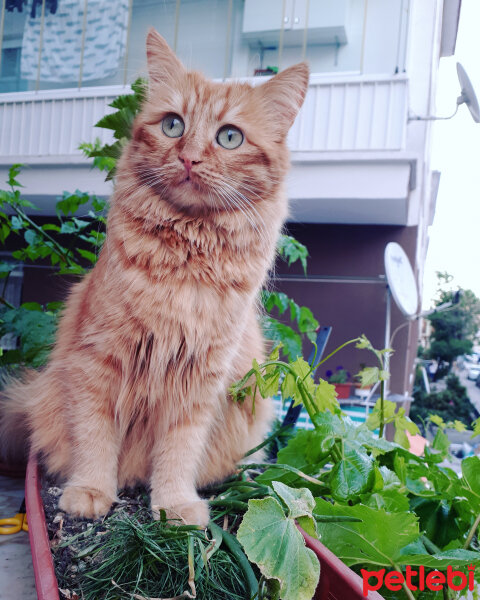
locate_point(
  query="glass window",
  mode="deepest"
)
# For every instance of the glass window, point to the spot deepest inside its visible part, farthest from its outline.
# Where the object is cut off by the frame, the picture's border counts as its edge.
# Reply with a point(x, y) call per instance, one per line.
point(69, 43)
point(63, 43)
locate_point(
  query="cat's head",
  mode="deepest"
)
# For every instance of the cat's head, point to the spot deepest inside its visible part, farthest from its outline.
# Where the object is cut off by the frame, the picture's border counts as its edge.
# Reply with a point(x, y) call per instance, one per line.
point(206, 146)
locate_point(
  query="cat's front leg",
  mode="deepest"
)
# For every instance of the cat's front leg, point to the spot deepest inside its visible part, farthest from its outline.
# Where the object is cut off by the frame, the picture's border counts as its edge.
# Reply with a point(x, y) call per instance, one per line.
point(177, 457)
point(92, 485)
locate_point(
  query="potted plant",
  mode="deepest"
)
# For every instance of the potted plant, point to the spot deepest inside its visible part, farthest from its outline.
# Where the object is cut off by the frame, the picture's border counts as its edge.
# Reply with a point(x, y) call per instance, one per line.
point(339, 378)
point(369, 501)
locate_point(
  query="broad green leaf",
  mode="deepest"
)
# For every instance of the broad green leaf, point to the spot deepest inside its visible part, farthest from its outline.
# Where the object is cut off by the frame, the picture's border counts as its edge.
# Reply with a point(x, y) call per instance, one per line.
point(304, 452)
point(68, 227)
point(437, 420)
point(32, 306)
point(377, 539)
point(275, 299)
point(16, 223)
point(272, 541)
point(289, 387)
point(299, 502)
point(13, 172)
point(388, 500)
point(400, 468)
point(292, 250)
point(119, 122)
point(374, 418)
point(459, 426)
point(306, 321)
point(325, 397)
point(369, 376)
point(32, 237)
point(470, 482)
point(476, 428)
point(439, 447)
point(92, 257)
point(353, 475)
point(279, 332)
point(437, 519)
point(456, 558)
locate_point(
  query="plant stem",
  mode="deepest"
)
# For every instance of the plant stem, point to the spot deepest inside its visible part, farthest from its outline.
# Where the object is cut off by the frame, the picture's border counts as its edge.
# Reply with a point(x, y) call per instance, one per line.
point(471, 533)
point(337, 349)
point(382, 409)
point(233, 504)
point(285, 467)
point(6, 302)
point(60, 249)
point(408, 593)
point(268, 440)
point(336, 454)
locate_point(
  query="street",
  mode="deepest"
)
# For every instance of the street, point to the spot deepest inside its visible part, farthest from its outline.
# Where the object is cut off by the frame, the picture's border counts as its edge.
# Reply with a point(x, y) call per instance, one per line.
point(472, 389)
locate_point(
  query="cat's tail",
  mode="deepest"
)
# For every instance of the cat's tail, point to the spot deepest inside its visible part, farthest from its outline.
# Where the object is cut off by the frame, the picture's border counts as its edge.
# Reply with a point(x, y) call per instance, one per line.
point(15, 405)
point(32, 419)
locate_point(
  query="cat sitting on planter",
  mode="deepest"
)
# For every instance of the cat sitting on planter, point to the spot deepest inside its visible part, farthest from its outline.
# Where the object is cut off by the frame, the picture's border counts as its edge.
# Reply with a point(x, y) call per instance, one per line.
point(136, 387)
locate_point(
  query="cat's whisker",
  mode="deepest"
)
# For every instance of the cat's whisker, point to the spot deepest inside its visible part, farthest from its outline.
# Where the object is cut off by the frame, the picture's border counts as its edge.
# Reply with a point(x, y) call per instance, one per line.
point(246, 203)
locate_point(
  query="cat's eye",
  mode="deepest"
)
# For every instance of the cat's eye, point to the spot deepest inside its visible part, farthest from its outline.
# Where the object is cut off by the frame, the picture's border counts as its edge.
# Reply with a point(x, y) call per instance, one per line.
point(229, 137)
point(173, 126)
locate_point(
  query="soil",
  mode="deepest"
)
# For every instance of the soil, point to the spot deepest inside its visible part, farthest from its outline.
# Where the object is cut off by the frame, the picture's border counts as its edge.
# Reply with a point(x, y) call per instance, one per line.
point(63, 529)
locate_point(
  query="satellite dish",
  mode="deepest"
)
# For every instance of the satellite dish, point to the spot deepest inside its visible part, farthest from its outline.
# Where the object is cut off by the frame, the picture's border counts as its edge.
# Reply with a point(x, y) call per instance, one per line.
point(401, 279)
point(467, 94)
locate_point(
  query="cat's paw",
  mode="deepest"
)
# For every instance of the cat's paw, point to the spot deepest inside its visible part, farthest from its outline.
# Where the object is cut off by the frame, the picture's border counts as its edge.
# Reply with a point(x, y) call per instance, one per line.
point(190, 513)
point(84, 502)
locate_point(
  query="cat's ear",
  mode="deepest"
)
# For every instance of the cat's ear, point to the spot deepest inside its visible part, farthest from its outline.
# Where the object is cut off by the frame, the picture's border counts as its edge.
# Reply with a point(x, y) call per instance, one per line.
point(284, 94)
point(163, 65)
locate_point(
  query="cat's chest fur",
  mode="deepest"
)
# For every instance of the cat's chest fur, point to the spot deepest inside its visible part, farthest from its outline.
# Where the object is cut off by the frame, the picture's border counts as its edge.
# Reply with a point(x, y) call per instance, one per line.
point(183, 299)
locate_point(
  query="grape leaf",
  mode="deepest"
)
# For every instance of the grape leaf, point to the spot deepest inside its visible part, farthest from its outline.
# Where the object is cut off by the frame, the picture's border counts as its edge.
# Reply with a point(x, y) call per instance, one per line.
point(272, 541)
point(377, 539)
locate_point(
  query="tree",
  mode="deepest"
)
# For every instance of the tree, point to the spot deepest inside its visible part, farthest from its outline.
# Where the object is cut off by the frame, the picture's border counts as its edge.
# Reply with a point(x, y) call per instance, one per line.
point(454, 329)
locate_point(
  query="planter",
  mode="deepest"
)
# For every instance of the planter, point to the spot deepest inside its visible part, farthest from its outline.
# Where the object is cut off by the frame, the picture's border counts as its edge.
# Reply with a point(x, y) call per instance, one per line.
point(337, 581)
point(343, 390)
point(45, 580)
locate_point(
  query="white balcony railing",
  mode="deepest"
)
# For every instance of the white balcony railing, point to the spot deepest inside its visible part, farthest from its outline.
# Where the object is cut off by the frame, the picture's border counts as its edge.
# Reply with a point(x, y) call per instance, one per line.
point(355, 113)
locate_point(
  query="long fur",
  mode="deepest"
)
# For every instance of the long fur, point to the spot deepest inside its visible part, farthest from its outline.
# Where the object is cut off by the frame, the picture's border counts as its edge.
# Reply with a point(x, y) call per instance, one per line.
point(136, 386)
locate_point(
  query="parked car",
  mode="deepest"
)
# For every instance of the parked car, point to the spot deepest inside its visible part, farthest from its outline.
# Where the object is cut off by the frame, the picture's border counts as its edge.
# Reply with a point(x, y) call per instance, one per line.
point(473, 372)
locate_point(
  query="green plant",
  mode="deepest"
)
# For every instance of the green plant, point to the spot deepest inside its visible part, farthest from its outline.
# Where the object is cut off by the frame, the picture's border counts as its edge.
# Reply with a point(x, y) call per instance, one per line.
point(404, 509)
point(68, 243)
point(450, 404)
point(340, 375)
point(453, 330)
point(135, 557)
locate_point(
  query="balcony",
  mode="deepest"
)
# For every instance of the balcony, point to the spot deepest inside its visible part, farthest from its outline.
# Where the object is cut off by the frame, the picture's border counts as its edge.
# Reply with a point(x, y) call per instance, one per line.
point(349, 148)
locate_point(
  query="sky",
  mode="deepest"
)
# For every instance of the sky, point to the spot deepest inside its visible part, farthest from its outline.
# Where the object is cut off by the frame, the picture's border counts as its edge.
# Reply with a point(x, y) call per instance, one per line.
point(455, 235)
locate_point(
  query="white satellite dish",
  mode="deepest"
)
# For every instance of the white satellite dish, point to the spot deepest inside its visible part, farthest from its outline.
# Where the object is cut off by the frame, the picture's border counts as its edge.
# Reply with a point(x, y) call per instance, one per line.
point(467, 94)
point(400, 279)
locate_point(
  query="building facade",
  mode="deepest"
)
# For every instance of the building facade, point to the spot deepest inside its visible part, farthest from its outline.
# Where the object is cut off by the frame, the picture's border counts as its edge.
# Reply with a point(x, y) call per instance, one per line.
point(360, 174)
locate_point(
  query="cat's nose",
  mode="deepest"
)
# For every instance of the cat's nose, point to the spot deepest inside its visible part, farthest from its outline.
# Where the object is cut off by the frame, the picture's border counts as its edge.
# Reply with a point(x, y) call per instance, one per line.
point(188, 162)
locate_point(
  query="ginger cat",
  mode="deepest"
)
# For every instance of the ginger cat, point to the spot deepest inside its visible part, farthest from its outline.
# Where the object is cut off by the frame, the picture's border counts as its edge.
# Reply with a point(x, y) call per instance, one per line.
point(136, 386)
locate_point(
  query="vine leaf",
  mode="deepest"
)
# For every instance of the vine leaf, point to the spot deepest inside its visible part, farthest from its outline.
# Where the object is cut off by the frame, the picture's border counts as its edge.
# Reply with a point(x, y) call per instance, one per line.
point(271, 539)
point(378, 539)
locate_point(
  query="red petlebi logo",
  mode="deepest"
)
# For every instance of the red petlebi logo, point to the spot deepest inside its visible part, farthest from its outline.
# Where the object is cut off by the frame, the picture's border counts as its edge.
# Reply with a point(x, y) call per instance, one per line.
point(418, 580)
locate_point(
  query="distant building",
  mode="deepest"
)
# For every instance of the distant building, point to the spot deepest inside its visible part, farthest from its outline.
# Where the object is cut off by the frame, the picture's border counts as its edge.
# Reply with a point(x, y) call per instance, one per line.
point(360, 173)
